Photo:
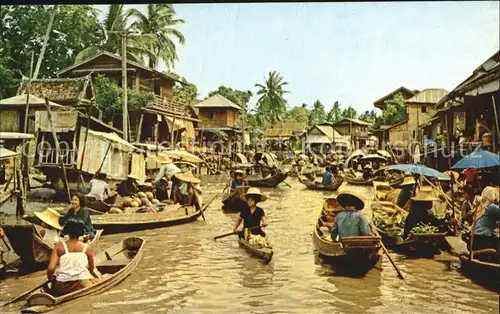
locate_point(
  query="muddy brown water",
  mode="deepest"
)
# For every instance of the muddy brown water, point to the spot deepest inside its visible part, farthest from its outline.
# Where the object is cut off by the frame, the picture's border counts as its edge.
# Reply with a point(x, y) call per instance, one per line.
point(185, 271)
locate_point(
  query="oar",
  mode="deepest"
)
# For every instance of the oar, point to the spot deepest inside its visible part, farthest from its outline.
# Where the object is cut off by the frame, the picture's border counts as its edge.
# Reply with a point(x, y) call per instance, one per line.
point(5, 242)
point(206, 206)
point(22, 296)
point(232, 233)
point(386, 252)
point(286, 183)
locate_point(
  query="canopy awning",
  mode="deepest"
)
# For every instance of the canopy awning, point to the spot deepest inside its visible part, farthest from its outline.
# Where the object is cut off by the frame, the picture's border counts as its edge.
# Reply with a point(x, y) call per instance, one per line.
point(117, 142)
point(5, 153)
point(179, 123)
point(34, 101)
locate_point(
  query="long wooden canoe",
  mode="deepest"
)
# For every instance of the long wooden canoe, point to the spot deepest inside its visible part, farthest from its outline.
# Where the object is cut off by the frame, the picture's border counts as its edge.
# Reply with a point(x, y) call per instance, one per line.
point(319, 187)
point(265, 253)
point(128, 222)
point(351, 252)
point(483, 270)
point(395, 181)
point(28, 243)
point(113, 265)
point(96, 207)
point(231, 201)
point(271, 181)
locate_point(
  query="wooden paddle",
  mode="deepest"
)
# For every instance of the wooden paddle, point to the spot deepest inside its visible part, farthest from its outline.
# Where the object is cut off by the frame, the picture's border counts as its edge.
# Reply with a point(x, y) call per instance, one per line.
point(206, 206)
point(374, 229)
point(22, 296)
point(232, 233)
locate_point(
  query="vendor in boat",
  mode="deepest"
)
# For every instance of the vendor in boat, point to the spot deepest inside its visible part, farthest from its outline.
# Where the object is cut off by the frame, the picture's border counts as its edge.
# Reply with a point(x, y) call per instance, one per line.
point(349, 222)
point(487, 217)
point(79, 212)
point(166, 173)
point(367, 171)
point(252, 216)
point(71, 262)
point(129, 186)
point(186, 193)
point(421, 210)
point(238, 180)
point(327, 177)
point(407, 189)
point(99, 188)
point(334, 168)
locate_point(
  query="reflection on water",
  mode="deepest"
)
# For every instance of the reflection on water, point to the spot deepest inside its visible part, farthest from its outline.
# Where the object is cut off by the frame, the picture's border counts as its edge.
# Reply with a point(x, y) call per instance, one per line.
point(185, 270)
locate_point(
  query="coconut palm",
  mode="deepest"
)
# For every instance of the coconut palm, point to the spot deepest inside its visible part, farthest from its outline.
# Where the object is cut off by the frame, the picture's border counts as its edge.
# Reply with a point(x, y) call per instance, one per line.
point(271, 104)
point(114, 24)
point(160, 22)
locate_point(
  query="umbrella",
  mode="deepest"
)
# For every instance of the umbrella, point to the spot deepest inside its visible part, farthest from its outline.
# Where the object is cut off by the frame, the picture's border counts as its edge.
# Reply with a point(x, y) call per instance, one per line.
point(419, 169)
point(384, 153)
point(374, 157)
point(479, 158)
point(182, 156)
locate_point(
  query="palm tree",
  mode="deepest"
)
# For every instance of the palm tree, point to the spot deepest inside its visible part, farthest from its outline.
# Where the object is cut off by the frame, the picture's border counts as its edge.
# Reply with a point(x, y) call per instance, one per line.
point(271, 104)
point(335, 114)
point(160, 22)
point(115, 23)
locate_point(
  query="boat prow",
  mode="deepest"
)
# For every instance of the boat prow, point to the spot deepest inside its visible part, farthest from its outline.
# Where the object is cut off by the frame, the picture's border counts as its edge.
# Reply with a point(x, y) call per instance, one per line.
point(264, 253)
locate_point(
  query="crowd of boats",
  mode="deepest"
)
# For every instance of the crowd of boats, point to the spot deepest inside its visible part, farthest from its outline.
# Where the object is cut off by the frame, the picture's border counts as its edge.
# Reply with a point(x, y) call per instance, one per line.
point(34, 239)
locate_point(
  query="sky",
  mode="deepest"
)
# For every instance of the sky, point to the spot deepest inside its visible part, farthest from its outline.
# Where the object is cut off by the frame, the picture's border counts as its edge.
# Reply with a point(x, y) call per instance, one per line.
point(353, 53)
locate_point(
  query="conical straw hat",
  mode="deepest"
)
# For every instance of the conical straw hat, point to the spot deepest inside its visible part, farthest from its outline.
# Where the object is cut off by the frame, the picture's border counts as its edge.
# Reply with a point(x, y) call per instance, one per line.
point(425, 193)
point(350, 198)
point(408, 181)
point(50, 217)
point(255, 191)
point(187, 177)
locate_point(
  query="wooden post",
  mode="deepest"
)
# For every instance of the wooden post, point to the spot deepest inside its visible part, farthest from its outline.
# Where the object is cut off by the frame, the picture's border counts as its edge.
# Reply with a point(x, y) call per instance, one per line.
point(497, 135)
point(45, 41)
point(54, 136)
point(172, 136)
point(124, 87)
point(89, 111)
point(139, 129)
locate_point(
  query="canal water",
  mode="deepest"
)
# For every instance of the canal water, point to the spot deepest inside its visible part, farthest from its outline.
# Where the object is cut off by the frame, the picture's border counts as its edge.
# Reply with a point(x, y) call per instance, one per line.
point(185, 271)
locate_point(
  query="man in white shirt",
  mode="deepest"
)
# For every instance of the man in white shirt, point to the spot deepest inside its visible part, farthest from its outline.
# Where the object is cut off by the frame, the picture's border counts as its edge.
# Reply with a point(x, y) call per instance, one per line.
point(99, 188)
point(165, 174)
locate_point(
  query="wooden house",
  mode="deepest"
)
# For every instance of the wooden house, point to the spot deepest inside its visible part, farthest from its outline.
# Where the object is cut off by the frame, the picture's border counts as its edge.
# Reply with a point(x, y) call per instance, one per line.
point(472, 108)
point(219, 117)
point(357, 133)
point(85, 147)
point(405, 92)
point(286, 133)
point(323, 137)
point(155, 122)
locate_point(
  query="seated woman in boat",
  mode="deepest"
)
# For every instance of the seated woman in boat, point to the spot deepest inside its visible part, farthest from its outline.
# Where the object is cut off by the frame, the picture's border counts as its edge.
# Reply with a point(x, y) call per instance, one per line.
point(238, 180)
point(487, 217)
point(349, 222)
point(129, 186)
point(252, 216)
point(185, 193)
point(79, 212)
point(407, 188)
point(327, 177)
point(421, 210)
point(71, 261)
point(99, 188)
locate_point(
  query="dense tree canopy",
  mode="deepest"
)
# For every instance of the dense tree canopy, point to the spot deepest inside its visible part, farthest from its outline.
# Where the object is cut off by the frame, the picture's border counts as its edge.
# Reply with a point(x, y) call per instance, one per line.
point(317, 114)
point(297, 114)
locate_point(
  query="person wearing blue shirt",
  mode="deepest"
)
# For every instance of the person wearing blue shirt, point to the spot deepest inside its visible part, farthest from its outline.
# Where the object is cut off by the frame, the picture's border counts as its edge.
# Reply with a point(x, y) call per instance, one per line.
point(349, 222)
point(238, 180)
point(327, 177)
point(487, 217)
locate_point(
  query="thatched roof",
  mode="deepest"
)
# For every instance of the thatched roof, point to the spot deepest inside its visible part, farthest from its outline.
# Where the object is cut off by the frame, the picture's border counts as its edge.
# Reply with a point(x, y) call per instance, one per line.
point(217, 101)
point(278, 133)
point(73, 91)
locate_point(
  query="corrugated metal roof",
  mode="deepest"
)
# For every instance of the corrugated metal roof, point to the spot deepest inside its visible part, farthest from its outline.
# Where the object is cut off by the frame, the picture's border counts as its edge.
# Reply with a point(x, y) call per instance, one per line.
point(356, 121)
point(428, 96)
point(217, 101)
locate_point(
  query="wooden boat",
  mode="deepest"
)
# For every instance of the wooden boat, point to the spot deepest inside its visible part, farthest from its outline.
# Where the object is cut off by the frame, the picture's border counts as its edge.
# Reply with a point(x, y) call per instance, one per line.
point(424, 245)
point(128, 222)
point(231, 201)
point(270, 181)
point(28, 243)
point(113, 266)
point(319, 187)
point(96, 207)
point(484, 266)
point(353, 252)
point(395, 181)
point(265, 253)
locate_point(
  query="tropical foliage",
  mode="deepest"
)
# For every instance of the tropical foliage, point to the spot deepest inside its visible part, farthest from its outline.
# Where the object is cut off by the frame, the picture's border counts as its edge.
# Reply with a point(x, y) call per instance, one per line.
point(317, 114)
point(394, 112)
point(160, 22)
point(240, 98)
point(272, 106)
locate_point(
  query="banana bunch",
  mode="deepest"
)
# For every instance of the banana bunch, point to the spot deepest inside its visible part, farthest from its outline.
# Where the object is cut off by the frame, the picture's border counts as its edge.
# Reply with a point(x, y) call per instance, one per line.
point(387, 220)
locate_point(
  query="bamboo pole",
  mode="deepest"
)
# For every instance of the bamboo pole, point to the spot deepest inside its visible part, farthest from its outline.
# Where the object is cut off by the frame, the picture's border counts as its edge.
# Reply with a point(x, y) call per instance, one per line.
point(124, 87)
point(45, 41)
point(54, 135)
point(173, 137)
point(89, 111)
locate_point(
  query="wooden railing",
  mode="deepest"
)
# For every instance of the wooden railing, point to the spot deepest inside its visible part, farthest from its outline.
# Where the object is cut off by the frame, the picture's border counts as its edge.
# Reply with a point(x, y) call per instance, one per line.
point(169, 105)
point(49, 156)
